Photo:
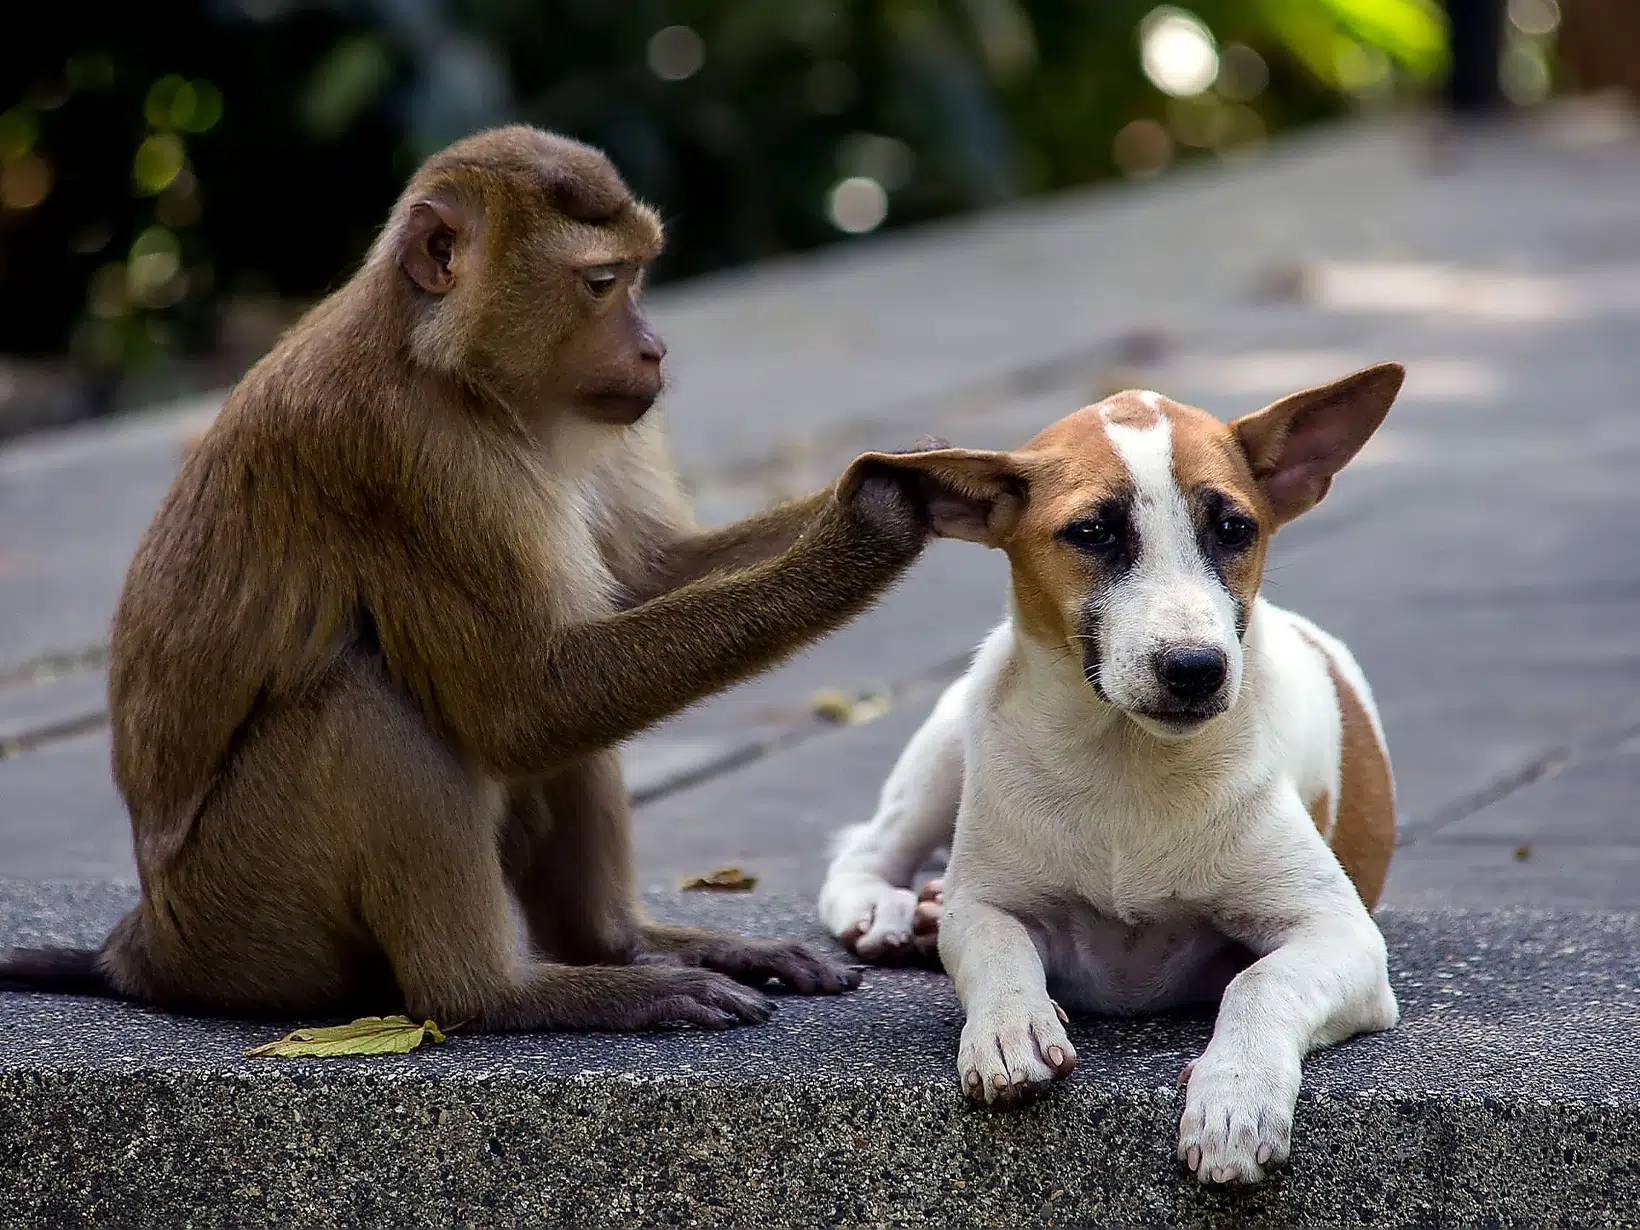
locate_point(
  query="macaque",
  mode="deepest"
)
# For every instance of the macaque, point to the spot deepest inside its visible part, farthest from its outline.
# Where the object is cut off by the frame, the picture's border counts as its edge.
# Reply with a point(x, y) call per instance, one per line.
point(426, 569)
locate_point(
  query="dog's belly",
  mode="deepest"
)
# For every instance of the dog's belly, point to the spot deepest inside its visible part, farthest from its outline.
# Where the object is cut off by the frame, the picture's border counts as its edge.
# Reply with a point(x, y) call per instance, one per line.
point(1100, 964)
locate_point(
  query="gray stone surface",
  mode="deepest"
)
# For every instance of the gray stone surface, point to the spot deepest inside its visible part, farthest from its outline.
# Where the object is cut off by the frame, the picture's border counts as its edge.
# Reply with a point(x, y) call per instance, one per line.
point(1507, 1096)
point(1478, 557)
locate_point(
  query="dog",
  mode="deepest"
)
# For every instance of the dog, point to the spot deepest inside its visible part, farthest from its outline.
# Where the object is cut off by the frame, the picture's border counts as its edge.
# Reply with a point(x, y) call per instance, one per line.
point(1157, 788)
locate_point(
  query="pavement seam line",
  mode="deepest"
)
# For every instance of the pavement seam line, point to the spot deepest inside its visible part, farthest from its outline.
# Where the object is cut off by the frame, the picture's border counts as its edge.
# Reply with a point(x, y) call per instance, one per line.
point(53, 732)
point(1538, 768)
point(936, 677)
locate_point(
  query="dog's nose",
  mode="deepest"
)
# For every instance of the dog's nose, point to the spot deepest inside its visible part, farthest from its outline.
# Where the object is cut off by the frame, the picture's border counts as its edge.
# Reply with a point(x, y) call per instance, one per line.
point(1192, 672)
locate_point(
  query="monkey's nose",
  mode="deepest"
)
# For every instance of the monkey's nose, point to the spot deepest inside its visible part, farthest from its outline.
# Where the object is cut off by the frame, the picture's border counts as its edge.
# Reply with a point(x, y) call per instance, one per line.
point(651, 348)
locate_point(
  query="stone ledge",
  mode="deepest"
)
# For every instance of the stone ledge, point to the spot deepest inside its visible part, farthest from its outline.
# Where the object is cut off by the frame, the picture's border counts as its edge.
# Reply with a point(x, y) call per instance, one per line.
point(1509, 1094)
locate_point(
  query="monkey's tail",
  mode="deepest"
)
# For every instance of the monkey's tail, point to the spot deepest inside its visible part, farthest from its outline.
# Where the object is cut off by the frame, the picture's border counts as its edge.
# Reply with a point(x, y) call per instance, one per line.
point(60, 971)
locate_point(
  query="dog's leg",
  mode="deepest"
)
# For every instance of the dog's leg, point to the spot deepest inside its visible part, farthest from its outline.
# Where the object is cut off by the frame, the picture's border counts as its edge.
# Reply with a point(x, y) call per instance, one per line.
point(866, 901)
point(1322, 976)
point(1013, 1040)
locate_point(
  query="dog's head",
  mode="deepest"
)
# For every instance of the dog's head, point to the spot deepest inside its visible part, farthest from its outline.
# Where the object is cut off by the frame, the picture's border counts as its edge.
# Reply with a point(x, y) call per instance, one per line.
point(1137, 528)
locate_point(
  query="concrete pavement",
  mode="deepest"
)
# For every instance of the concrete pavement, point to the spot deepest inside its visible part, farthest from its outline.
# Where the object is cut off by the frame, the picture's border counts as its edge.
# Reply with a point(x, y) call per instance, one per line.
point(1478, 557)
point(1507, 1096)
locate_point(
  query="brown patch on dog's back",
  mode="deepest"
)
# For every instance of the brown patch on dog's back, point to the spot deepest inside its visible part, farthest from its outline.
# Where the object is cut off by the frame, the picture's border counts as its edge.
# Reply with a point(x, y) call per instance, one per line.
point(1363, 835)
point(1321, 812)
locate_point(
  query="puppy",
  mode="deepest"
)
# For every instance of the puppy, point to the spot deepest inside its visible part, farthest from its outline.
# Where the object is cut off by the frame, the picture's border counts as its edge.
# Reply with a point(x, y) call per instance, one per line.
point(1157, 788)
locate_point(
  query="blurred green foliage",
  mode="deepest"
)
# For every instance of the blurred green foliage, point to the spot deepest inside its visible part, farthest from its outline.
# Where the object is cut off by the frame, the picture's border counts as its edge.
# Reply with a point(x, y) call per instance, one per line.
point(160, 159)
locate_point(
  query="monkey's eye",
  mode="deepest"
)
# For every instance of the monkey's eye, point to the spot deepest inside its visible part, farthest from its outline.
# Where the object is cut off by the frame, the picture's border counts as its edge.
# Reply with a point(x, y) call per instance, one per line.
point(1093, 534)
point(601, 279)
point(1233, 531)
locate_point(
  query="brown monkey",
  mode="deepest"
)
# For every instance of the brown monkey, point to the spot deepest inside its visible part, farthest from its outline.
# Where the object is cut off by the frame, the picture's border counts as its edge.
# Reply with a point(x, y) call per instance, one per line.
point(427, 568)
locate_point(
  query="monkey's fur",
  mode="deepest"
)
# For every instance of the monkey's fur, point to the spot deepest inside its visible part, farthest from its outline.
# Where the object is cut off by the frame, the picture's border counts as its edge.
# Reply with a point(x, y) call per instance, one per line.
point(428, 566)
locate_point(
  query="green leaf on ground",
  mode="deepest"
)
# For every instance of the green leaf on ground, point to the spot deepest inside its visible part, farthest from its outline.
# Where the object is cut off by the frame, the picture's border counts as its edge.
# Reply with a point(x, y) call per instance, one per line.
point(370, 1035)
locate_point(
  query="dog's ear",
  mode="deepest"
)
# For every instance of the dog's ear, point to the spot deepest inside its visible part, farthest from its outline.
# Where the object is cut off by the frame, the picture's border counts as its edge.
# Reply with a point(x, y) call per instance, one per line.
point(969, 493)
point(1297, 444)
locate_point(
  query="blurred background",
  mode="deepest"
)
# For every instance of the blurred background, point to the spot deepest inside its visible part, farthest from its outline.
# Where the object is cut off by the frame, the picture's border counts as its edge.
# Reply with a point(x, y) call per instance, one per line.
point(178, 180)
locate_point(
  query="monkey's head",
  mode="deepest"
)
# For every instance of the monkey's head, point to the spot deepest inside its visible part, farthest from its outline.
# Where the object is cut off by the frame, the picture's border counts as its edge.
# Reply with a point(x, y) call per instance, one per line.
point(523, 255)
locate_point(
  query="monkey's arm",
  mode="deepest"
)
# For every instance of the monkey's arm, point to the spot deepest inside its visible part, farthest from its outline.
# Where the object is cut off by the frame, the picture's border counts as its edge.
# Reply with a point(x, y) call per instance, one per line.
point(730, 548)
point(484, 658)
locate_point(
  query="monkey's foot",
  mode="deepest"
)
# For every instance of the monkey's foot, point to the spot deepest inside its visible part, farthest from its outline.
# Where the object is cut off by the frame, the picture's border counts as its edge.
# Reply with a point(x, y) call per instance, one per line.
point(674, 996)
point(796, 966)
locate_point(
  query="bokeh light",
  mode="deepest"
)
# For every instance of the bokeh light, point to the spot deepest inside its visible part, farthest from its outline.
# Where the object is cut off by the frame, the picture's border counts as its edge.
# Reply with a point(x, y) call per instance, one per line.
point(19, 129)
point(25, 182)
point(1537, 18)
point(178, 206)
point(159, 160)
point(153, 277)
point(1142, 149)
point(1243, 74)
point(676, 53)
point(1362, 70)
point(857, 204)
point(1202, 122)
point(187, 106)
point(873, 156)
point(1177, 52)
point(1523, 73)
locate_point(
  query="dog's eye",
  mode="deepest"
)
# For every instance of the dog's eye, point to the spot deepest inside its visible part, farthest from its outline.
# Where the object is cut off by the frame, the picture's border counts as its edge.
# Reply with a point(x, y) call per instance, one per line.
point(1090, 535)
point(601, 279)
point(1233, 532)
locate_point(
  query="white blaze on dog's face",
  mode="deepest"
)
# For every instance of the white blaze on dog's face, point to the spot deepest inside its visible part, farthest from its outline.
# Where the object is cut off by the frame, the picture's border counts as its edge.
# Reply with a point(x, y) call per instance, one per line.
point(1163, 613)
point(1136, 530)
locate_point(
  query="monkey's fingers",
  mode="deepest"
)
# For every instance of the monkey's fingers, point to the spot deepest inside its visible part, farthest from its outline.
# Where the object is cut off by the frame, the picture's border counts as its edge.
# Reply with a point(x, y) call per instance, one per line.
point(797, 966)
point(711, 1001)
point(685, 1011)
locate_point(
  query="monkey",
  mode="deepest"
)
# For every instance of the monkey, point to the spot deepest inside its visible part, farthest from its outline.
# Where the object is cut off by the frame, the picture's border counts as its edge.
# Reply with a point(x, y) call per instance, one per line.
point(427, 568)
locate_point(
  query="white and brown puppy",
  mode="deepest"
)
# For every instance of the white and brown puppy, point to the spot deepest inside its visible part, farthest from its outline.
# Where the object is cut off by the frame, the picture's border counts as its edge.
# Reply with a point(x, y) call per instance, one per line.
point(1157, 788)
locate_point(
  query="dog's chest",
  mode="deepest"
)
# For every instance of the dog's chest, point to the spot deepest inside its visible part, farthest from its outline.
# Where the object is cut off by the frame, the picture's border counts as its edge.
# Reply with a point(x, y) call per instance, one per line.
point(1097, 963)
point(1108, 880)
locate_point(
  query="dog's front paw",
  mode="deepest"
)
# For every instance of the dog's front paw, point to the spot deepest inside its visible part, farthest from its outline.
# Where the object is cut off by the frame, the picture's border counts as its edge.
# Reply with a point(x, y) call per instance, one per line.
point(1238, 1117)
point(876, 922)
point(1014, 1049)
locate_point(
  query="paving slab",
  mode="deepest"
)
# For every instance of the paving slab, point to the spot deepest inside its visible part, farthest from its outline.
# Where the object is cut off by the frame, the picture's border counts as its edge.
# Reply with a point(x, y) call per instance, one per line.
point(1475, 557)
point(1507, 1096)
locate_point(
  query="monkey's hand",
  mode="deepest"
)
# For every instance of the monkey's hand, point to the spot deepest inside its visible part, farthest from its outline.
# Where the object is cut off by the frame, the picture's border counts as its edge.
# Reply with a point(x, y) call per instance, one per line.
point(667, 994)
point(894, 503)
point(796, 966)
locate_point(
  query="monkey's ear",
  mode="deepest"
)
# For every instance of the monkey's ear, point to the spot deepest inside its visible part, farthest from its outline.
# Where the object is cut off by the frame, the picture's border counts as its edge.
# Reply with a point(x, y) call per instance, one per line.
point(432, 234)
point(974, 494)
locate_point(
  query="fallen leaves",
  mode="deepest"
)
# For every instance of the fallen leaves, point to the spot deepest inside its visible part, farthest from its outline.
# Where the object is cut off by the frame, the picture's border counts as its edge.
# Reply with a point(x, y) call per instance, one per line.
point(846, 709)
point(370, 1035)
point(723, 880)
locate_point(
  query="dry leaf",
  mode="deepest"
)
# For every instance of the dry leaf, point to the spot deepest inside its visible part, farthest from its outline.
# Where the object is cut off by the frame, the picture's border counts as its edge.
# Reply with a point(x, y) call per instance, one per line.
point(1522, 853)
point(723, 880)
point(370, 1035)
point(834, 705)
